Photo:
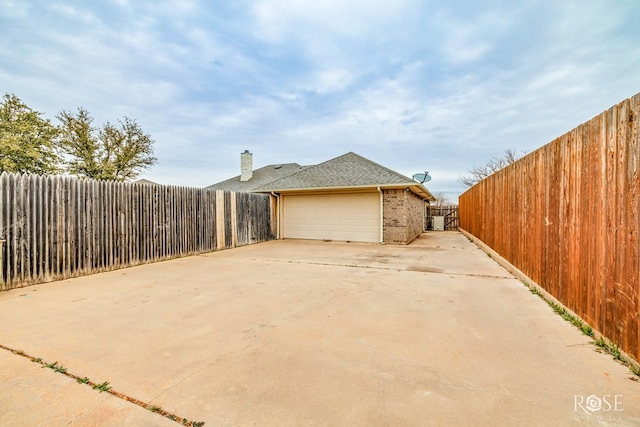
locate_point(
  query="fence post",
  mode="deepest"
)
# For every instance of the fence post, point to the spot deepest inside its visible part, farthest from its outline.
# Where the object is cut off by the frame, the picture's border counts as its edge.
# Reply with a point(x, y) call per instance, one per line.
point(2, 242)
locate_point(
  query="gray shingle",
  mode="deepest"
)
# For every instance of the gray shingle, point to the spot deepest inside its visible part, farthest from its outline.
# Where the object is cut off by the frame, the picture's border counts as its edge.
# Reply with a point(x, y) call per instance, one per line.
point(347, 170)
point(260, 177)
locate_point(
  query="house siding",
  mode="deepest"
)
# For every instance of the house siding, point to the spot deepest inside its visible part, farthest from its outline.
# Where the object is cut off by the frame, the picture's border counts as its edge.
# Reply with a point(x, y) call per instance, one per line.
point(402, 216)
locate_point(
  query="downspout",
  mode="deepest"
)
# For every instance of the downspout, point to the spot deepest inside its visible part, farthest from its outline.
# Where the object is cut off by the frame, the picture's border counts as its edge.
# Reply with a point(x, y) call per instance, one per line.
point(424, 214)
point(381, 215)
point(277, 214)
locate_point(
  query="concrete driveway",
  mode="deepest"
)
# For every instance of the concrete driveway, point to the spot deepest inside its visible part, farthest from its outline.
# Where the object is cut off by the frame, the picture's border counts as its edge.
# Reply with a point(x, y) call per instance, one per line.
point(294, 333)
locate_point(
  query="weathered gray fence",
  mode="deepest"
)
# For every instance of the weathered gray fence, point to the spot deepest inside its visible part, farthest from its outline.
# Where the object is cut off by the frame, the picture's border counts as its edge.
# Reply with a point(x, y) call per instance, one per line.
point(58, 227)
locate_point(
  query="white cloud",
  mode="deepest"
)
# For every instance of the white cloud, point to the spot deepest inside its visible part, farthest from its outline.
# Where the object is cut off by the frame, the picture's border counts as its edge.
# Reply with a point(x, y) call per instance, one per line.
point(76, 14)
point(278, 19)
point(330, 80)
point(14, 9)
point(413, 85)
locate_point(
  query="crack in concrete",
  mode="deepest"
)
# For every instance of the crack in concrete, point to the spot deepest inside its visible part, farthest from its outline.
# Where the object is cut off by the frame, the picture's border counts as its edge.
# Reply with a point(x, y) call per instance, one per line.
point(375, 267)
point(180, 420)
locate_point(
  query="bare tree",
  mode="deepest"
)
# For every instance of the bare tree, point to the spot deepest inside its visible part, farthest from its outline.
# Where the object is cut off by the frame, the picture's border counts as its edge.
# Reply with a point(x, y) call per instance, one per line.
point(478, 173)
point(441, 200)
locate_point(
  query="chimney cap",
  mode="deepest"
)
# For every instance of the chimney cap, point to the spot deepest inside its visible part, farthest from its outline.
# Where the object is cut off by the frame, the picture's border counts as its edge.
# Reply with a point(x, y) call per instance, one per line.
point(246, 152)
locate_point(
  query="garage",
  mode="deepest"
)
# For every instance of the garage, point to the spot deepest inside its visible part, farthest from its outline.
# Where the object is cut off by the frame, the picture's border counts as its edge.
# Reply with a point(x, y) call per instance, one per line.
point(345, 217)
point(349, 198)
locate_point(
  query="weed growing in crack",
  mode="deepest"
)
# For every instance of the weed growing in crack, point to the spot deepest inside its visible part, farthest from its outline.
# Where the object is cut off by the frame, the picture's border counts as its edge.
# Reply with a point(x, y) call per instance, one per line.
point(56, 367)
point(558, 309)
point(600, 342)
point(612, 349)
point(615, 352)
point(587, 330)
point(102, 387)
point(575, 321)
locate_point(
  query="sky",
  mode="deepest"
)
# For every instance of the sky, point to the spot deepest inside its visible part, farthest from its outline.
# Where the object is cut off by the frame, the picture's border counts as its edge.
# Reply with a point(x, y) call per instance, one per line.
point(415, 85)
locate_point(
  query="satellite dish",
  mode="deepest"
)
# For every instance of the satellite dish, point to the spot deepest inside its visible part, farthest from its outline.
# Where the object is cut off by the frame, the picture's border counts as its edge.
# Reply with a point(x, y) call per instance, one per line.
point(422, 177)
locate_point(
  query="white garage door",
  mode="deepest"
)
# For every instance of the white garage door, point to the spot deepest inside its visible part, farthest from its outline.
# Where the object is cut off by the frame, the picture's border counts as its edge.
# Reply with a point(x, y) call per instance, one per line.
point(353, 217)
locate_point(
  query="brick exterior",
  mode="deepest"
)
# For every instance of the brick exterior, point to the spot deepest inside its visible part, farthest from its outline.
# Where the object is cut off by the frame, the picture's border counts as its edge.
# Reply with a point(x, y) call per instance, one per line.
point(403, 219)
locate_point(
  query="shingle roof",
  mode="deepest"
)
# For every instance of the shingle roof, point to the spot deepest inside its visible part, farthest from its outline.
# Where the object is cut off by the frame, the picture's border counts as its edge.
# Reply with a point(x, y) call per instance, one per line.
point(260, 177)
point(348, 170)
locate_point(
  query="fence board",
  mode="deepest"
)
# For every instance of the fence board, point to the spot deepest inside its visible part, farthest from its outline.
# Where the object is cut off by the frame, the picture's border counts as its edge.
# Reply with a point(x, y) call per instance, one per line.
point(568, 216)
point(59, 227)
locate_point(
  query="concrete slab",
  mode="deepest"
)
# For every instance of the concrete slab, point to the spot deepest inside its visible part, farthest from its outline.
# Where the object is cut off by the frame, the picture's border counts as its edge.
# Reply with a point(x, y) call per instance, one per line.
point(308, 333)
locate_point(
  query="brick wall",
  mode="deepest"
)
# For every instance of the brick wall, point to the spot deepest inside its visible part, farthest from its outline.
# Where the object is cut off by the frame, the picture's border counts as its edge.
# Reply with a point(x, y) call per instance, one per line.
point(402, 216)
point(415, 216)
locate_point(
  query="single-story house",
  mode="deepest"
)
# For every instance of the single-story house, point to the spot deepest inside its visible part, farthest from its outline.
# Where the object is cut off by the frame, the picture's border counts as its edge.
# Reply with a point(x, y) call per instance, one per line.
point(349, 198)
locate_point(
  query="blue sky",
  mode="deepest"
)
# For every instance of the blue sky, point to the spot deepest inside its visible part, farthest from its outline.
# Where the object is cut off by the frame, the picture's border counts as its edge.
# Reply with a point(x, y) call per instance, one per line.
point(413, 85)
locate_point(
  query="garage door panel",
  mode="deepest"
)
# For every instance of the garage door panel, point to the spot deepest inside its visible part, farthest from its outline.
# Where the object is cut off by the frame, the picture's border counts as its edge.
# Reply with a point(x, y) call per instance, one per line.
point(354, 217)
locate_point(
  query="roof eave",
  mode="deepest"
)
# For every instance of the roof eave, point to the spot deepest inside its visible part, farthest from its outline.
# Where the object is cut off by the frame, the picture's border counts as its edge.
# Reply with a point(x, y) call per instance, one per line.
point(418, 189)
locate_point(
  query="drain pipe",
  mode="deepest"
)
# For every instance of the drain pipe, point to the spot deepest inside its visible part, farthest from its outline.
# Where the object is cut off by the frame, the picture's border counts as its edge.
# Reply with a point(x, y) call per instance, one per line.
point(277, 214)
point(425, 204)
point(381, 215)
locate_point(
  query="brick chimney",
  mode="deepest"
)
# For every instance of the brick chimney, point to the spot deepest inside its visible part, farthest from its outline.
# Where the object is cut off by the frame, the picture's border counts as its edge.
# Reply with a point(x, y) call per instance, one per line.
point(246, 166)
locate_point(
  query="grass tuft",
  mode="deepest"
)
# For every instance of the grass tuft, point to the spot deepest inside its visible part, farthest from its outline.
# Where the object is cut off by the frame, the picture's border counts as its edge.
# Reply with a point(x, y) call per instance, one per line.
point(56, 367)
point(102, 387)
point(587, 330)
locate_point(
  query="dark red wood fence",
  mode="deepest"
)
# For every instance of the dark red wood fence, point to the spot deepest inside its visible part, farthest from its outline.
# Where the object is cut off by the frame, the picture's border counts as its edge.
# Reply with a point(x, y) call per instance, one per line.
point(568, 216)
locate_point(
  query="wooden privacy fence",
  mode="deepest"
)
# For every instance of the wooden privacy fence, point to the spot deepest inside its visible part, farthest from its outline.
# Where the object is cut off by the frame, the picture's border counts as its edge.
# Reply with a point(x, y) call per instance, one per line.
point(568, 216)
point(449, 212)
point(58, 227)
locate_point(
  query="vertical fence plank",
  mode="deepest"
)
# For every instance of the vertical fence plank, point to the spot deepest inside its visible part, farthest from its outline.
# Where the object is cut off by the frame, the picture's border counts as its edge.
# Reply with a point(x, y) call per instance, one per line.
point(4, 208)
point(220, 219)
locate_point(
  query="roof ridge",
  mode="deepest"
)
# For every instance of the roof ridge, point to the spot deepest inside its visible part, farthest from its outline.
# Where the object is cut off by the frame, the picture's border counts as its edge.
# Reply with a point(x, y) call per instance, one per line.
point(302, 168)
point(313, 166)
point(258, 171)
point(359, 162)
point(379, 165)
